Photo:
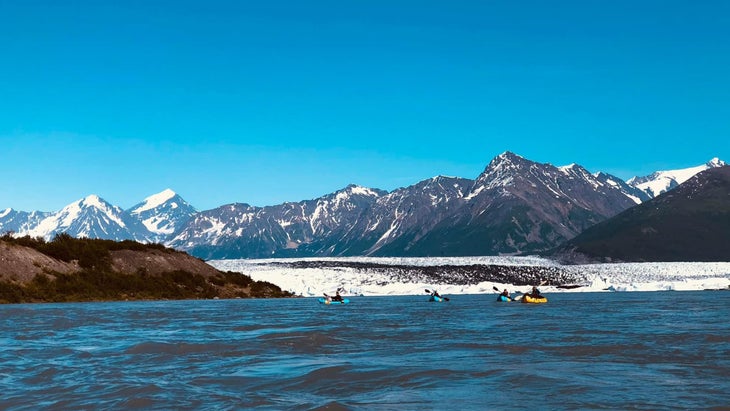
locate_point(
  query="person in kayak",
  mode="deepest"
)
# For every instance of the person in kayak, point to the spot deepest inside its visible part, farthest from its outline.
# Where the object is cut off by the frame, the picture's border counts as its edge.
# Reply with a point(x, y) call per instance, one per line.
point(535, 293)
point(337, 297)
point(435, 293)
point(505, 294)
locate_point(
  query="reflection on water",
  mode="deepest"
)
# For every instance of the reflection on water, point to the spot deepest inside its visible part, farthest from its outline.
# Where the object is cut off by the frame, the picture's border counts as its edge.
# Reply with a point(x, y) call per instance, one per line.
point(580, 351)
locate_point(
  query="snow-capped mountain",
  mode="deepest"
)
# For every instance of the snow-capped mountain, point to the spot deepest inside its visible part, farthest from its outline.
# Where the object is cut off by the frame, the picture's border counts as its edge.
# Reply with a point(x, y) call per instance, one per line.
point(20, 221)
point(689, 223)
point(398, 220)
point(154, 219)
point(304, 228)
point(517, 206)
point(162, 214)
point(662, 181)
point(514, 206)
point(90, 217)
point(635, 194)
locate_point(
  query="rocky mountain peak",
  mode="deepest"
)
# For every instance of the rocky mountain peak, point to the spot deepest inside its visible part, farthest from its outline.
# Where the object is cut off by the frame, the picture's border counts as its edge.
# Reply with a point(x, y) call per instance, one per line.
point(162, 214)
point(501, 172)
point(716, 162)
point(507, 160)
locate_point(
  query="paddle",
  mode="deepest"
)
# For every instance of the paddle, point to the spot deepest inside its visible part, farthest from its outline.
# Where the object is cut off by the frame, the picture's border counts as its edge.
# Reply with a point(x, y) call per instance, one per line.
point(497, 290)
point(445, 298)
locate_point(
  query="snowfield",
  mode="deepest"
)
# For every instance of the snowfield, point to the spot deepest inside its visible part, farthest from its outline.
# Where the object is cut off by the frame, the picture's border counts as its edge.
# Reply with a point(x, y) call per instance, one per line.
point(373, 276)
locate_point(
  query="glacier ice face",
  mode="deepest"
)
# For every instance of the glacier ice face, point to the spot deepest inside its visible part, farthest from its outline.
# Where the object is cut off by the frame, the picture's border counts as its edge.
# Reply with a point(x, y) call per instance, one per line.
point(315, 276)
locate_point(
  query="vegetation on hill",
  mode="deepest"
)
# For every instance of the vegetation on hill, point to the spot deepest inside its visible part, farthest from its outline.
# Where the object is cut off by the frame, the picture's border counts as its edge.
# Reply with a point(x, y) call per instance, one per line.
point(90, 253)
point(97, 278)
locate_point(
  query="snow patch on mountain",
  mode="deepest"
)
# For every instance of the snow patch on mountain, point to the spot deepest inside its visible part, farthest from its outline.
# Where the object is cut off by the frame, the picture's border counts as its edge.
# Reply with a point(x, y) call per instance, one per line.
point(154, 201)
point(662, 181)
point(157, 225)
point(364, 191)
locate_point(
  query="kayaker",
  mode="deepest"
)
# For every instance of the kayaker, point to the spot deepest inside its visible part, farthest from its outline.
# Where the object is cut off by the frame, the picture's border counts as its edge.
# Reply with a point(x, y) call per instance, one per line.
point(435, 293)
point(535, 293)
point(505, 294)
point(337, 296)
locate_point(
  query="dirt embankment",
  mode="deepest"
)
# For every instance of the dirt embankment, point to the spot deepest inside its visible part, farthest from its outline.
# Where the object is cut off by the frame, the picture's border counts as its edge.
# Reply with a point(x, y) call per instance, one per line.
point(21, 264)
point(71, 270)
point(156, 262)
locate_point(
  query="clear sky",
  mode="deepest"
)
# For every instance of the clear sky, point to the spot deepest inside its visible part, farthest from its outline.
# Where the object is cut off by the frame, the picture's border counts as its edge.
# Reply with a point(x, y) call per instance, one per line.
point(270, 101)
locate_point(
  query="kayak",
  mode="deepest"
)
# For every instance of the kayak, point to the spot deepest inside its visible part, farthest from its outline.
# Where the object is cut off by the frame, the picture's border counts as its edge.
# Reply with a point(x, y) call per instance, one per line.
point(323, 300)
point(502, 298)
point(532, 300)
point(433, 298)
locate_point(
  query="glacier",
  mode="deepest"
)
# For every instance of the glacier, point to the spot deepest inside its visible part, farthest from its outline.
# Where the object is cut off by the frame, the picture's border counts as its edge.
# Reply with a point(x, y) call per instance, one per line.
point(309, 277)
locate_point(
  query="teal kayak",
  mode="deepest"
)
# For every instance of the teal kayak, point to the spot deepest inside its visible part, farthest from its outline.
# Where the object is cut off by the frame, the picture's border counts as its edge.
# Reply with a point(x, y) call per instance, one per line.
point(323, 300)
point(433, 298)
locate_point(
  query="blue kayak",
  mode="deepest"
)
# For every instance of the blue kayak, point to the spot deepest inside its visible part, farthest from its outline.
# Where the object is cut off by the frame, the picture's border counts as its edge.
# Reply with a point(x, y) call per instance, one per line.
point(323, 300)
point(503, 298)
point(433, 298)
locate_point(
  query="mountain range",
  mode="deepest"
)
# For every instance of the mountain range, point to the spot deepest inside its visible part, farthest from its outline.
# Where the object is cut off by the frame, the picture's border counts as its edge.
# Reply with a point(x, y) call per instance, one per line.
point(152, 220)
point(514, 206)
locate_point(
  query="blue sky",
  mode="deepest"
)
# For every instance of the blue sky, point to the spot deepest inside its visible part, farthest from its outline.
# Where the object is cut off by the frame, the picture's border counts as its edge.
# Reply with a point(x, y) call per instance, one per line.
point(273, 101)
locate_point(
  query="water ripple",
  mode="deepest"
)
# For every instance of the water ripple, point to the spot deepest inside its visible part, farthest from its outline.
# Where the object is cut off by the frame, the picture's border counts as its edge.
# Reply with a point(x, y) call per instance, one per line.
point(620, 351)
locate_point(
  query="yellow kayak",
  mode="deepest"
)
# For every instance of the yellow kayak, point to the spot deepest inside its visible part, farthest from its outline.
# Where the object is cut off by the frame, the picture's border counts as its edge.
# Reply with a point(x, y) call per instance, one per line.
point(532, 300)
